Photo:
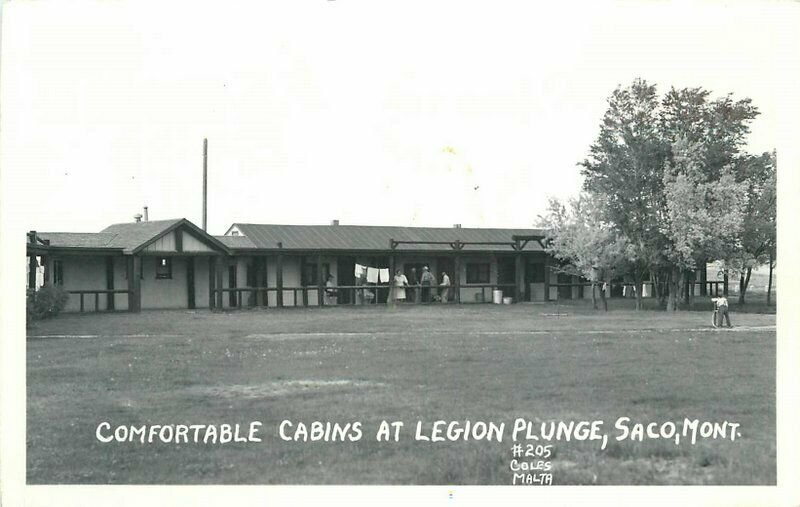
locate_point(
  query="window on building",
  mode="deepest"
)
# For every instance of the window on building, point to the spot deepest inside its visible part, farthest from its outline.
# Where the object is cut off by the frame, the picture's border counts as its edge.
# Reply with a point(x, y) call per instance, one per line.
point(58, 272)
point(256, 273)
point(478, 272)
point(163, 268)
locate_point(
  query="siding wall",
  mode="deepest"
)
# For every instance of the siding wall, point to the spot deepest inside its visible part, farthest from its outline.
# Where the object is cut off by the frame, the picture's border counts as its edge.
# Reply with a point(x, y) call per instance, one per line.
point(166, 293)
point(87, 273)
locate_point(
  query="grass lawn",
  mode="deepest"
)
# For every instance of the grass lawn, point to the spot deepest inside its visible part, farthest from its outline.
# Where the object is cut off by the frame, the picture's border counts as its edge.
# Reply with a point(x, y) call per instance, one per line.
point(471, 362)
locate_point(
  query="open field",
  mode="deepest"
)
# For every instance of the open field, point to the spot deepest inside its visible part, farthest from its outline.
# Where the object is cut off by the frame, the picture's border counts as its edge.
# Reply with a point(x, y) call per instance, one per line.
point(489, 363)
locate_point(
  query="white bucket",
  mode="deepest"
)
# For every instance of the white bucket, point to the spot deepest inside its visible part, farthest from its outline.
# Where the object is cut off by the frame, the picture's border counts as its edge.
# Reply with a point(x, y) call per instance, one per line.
point(507, 301)
point(497, 297)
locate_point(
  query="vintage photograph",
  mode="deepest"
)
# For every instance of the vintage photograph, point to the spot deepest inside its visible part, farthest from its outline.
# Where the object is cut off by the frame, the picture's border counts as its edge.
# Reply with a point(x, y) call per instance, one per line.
point(359, 243)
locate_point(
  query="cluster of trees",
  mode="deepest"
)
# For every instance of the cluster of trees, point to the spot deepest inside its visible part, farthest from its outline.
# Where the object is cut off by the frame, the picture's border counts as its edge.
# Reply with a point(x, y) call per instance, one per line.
point(667, 188)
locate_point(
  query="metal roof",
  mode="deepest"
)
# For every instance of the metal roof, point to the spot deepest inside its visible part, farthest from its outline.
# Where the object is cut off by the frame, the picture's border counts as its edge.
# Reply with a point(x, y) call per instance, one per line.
point(129, 237)
point(370, 237)
point(236, 241)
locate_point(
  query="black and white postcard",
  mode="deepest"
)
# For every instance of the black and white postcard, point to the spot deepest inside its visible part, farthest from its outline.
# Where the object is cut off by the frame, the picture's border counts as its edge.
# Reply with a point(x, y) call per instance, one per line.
point(257, 251)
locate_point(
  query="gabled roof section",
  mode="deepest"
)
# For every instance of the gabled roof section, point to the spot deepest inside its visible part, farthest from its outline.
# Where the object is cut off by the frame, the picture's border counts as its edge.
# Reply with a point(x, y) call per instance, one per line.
point(133, 236)
point(369, 237)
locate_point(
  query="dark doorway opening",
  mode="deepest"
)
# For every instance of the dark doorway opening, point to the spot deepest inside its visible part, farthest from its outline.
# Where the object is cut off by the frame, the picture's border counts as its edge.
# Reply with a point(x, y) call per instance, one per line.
point(533, 274)
point(346, 275)
point(506, 274)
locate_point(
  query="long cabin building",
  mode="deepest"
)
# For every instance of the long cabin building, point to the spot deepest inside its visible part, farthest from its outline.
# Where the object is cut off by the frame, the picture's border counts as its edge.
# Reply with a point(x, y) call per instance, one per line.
point(173, 264)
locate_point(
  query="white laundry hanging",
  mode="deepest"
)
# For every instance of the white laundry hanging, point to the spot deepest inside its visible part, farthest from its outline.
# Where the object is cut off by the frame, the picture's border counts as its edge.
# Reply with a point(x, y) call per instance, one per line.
point(384, 275)
point(359, 271)
point(372, 275)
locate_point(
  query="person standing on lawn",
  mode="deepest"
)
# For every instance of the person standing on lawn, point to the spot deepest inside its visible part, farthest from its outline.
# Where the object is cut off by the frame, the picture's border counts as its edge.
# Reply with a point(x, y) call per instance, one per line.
point(721, 307)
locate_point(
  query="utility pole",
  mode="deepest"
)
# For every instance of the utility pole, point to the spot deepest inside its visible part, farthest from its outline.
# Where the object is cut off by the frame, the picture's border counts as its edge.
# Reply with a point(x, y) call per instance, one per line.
point(205, 184)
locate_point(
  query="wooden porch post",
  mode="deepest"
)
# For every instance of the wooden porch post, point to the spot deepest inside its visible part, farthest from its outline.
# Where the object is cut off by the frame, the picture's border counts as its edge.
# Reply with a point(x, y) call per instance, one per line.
point(46, 264)
point(134, 267)
point(392, 268)
point(32, 265)
point(457, 277)
point(320, 281)
point(279, 276)
point(519, 277)
point(263, 281)
point(211, 283)
point(110, 282)
point(218, 275)
point(546, 277)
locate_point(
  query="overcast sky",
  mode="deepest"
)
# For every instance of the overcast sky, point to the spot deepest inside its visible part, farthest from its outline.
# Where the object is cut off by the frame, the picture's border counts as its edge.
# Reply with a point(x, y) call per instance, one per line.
point(403, 113)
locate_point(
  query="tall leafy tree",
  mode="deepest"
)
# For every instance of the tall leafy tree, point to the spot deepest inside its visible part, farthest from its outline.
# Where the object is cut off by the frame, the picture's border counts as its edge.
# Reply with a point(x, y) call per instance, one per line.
point(719, 126)
point(625, 171)
point(704, 217)
point(758, 176)
point(665, 172)
point(718, 129)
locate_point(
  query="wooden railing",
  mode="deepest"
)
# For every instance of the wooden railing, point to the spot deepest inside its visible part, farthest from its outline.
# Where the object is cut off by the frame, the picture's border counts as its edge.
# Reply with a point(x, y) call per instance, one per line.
point(357, 294)
point(109, 297)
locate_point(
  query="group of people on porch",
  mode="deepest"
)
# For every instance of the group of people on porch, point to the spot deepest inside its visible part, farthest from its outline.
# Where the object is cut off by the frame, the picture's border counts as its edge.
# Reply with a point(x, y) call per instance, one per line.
point(424, 288)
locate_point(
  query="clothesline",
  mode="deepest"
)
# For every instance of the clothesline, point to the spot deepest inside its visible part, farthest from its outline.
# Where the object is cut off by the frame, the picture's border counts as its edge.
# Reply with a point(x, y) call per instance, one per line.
point(374, 275)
